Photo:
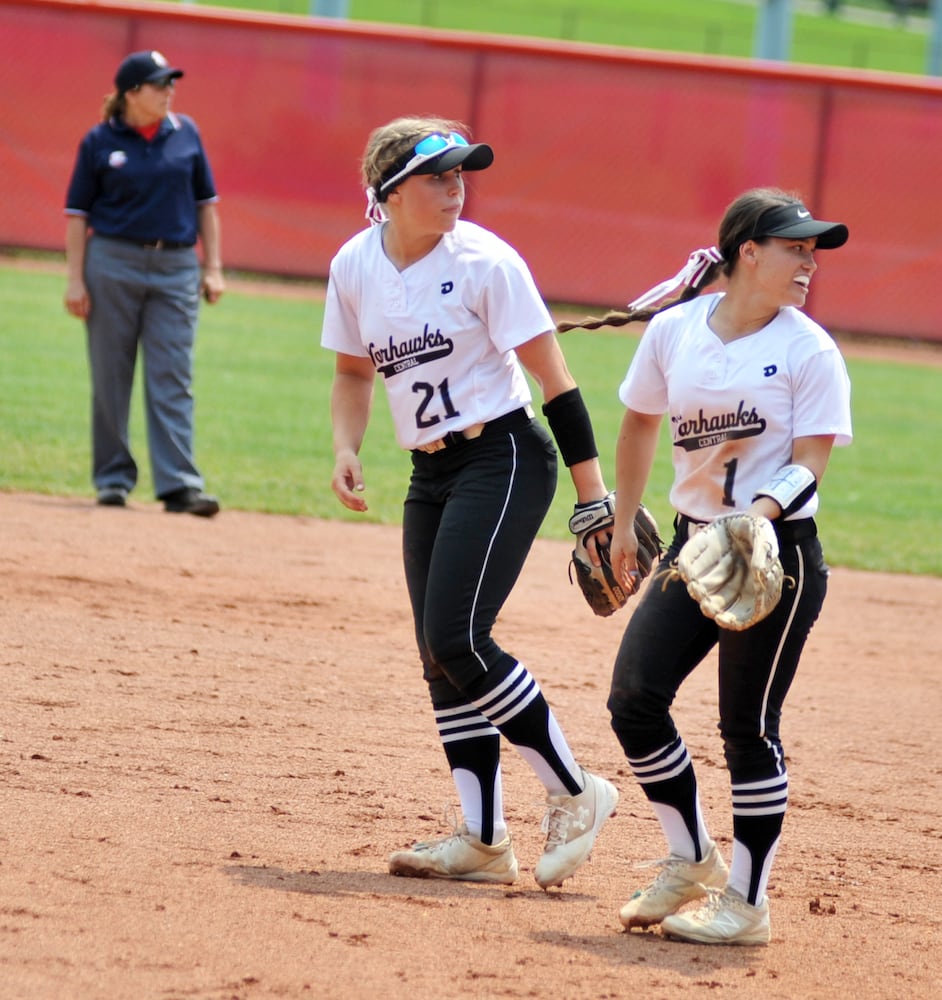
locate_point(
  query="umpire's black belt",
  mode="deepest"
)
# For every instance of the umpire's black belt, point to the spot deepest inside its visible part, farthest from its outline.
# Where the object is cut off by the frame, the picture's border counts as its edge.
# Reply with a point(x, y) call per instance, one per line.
point(788, 532)
point(153, 244)
point(516, 418)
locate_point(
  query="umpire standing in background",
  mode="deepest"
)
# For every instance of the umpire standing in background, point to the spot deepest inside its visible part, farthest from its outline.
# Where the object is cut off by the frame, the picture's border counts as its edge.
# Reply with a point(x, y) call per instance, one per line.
point(140, 196)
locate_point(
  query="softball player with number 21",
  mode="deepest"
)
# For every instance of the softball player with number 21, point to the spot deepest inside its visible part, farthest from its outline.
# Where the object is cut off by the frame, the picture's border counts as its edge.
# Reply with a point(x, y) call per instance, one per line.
point(448, 315)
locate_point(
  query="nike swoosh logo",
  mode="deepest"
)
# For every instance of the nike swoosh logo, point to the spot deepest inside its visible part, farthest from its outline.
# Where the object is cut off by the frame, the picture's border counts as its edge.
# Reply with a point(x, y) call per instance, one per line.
point(803, 215)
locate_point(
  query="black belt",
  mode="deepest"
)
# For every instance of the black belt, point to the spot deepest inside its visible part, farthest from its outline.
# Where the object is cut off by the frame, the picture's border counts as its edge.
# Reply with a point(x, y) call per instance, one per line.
point(516, 418)
point(788, 532)
point(154, 244)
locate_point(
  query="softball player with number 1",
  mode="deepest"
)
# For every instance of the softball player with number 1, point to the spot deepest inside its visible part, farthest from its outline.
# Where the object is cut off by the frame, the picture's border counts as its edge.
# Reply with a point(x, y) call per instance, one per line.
point(447, 314)
point(757, 395)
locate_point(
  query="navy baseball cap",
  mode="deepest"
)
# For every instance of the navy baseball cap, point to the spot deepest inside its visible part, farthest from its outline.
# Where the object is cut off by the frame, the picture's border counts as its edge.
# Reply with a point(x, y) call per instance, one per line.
point(144, 67)
point(794, 221)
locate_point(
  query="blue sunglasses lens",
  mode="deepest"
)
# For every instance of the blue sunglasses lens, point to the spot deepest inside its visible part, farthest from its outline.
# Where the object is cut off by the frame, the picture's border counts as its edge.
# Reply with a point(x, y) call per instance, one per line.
point(436, 143)
point(422, 152)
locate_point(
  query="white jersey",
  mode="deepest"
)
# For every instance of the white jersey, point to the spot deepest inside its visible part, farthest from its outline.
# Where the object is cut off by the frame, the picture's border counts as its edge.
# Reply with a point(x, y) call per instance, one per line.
point(443, 332)
point(736, 408)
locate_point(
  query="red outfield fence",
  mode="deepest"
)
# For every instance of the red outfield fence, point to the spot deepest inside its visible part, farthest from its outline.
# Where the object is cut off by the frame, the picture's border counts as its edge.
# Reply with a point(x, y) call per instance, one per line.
point(611, 165)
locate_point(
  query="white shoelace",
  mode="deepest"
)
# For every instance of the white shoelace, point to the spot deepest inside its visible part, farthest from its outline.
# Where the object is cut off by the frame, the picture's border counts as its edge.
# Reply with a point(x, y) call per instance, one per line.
point(555, 825)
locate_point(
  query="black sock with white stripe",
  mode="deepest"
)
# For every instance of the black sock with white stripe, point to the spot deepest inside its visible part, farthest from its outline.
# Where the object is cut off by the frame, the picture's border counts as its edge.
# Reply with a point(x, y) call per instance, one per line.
point(509, 696)
point(758, 815)
point(668, 780)
point(472, 747)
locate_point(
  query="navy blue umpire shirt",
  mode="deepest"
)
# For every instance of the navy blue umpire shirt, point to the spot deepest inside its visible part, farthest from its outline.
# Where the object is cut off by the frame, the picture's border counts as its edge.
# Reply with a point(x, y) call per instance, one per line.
point(134, 189)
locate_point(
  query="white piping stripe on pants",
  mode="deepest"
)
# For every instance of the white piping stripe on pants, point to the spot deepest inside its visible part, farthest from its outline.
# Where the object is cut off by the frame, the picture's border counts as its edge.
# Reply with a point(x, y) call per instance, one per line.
point(490, 549)
point(799, 586)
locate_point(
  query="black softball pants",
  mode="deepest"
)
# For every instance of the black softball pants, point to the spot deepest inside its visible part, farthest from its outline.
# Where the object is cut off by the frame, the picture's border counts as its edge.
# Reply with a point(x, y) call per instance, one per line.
point(668, 636)
point(469, 519)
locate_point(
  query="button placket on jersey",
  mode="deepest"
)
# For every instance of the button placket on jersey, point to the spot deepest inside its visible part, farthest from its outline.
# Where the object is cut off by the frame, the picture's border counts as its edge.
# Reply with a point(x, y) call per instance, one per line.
point(394, 292)
point(714, 367)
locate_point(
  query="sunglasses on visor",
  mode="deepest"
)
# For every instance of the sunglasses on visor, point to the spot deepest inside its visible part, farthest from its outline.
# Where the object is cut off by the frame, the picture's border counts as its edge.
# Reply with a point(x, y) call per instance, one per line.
point(424, 150)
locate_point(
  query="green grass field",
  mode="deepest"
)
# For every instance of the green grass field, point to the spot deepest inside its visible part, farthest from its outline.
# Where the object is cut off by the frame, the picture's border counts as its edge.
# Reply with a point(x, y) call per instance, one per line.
point(873, 40)
point(263, 438)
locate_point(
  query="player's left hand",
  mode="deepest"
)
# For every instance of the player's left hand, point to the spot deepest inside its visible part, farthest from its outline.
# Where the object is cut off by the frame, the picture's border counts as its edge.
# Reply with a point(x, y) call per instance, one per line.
point(732, 570)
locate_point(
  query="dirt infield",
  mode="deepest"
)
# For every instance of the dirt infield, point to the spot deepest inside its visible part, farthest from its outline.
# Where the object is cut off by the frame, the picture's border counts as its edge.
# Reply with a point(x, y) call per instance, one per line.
point(213, 733)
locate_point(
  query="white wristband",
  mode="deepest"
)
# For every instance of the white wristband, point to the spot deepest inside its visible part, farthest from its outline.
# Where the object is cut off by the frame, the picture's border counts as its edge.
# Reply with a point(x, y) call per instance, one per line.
point(791, 488)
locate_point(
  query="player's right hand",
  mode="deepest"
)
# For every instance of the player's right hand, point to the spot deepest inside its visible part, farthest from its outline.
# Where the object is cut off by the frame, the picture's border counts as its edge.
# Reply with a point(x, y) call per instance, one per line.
point(347, 482)
point(624, 555)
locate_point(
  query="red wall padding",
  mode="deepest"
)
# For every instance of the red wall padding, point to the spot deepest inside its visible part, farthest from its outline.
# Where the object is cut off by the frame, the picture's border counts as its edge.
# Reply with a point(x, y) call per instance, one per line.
point(611, 165)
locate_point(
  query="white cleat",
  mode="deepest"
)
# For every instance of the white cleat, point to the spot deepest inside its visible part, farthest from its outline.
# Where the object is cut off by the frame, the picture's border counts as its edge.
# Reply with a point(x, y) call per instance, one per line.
point(461, 857)
point(725, 918)
point(679, 881)
point(571, 825)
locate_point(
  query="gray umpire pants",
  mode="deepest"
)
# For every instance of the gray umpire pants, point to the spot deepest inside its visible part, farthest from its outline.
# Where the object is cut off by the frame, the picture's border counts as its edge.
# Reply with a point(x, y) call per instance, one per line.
point(145, 297)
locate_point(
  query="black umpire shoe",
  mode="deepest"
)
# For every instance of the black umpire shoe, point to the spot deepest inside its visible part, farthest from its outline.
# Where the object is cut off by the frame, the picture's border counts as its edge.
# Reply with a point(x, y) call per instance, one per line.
point(190, 500)
point(112, 496)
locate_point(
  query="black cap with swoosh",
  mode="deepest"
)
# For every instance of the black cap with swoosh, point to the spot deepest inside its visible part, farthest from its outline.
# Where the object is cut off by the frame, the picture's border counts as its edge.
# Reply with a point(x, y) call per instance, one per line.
point(794, 221)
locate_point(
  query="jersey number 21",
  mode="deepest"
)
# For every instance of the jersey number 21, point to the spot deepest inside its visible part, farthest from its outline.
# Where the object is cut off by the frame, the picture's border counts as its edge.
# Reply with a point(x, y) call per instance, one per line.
point(427, 393)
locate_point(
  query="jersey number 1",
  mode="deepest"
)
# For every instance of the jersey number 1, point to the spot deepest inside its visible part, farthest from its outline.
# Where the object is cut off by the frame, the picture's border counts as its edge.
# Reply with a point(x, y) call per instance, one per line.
point(730, 468)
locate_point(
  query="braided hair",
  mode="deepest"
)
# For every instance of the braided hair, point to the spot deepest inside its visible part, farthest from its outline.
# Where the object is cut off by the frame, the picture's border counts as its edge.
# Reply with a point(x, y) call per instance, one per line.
point(738, 226)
